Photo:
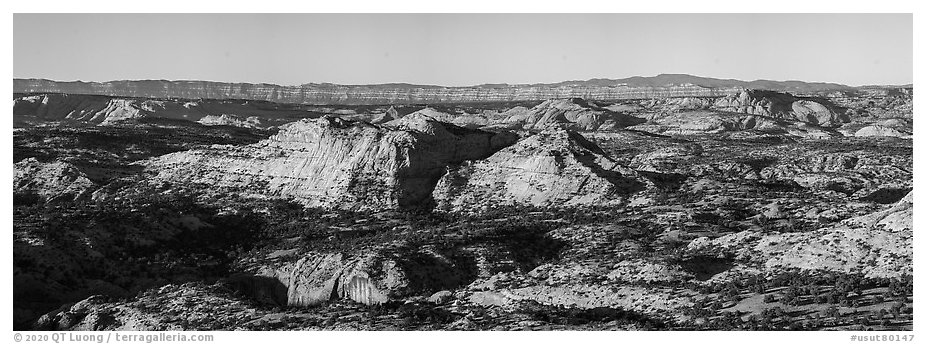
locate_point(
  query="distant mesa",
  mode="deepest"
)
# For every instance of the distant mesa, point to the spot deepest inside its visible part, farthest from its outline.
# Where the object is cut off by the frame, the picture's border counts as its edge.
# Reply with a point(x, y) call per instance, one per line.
point(660, 86)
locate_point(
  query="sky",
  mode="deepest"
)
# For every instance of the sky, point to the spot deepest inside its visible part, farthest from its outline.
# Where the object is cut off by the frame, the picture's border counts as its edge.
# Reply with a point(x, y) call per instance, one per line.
point(462, 49)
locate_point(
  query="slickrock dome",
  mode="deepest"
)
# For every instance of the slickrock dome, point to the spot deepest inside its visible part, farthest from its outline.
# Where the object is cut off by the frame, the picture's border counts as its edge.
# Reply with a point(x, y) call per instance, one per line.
point(336, 163)
point(553, 167)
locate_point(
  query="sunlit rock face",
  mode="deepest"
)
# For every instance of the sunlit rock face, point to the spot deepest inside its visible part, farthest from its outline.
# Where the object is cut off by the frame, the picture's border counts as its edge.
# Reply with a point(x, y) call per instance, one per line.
point(782, 105)
point(57, 180)
point(91, 109)
point(331, 162)
point(876, 245)
point(556, 167)
point(573, 113)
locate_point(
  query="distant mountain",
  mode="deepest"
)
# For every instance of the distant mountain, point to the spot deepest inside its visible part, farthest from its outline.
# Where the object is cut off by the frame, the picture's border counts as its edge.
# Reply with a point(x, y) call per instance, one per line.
point(660, 86)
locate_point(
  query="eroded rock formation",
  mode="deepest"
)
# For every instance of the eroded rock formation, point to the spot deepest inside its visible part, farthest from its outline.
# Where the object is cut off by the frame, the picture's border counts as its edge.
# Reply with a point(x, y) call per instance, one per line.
point(555, 167)
point(336, 163)
point(50, 181)
point(367, 94)
point(782, 105)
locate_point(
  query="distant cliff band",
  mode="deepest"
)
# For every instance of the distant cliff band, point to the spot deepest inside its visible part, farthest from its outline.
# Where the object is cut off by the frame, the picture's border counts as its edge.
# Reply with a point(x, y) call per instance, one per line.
point(365, 94)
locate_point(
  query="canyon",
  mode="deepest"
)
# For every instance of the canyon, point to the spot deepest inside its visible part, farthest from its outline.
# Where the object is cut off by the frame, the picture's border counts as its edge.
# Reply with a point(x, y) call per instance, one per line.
point(671, 202)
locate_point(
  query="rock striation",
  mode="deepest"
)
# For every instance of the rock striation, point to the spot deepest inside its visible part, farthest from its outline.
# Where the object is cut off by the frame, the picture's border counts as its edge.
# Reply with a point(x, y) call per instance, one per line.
point(319, 278)
point(369, 276)
point(660, 86)
point(369, 94)
point(331, 162)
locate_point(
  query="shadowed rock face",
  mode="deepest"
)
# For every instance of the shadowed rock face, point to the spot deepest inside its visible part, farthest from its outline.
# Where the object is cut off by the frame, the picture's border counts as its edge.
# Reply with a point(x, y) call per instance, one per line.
point(370, 275)
point(331, 162)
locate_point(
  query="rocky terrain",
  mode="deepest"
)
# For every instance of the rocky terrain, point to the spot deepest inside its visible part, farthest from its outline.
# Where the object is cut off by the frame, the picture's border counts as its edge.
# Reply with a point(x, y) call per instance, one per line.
point(76, 109)
point(555, 167)
point(661, 86)
point(333, 162)
point(716, 205)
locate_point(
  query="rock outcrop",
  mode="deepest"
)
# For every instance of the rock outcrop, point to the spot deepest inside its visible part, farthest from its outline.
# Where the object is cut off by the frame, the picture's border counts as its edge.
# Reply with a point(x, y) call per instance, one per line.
point(659, 86)
point(321, 278)
point(555, 167)
point(782, 105)
point(894, 127)
point(896, 218)
point(704, 122)
point(232, 120)
point(574, 113)
point(878, 245)
point(331, 162)
point(108, 110)
point(57, 180)
point(846, 173)
point(64, 107)
point(195, 303)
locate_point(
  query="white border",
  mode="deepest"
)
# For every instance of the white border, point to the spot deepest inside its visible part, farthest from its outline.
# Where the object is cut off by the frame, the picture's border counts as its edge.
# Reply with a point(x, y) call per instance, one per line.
point(481, 6)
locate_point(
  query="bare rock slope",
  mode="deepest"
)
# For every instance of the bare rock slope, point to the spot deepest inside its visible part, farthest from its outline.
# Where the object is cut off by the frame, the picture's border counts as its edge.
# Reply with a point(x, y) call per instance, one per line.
point(877, 245)
point(555, 167)
point(784, 106)
point(54, 180)
point(576, 113)
point(331, 162)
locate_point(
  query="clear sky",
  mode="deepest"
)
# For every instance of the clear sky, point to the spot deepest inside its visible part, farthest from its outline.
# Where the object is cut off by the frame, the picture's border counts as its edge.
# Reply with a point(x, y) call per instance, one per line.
point(462, 49)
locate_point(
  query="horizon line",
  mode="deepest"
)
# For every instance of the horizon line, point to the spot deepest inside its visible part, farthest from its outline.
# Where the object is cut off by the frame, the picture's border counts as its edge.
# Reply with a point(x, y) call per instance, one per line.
point(465, 86)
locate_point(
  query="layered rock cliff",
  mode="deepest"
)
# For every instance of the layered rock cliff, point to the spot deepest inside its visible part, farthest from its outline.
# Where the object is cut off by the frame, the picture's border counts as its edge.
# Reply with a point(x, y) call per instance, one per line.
point(366, 94)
